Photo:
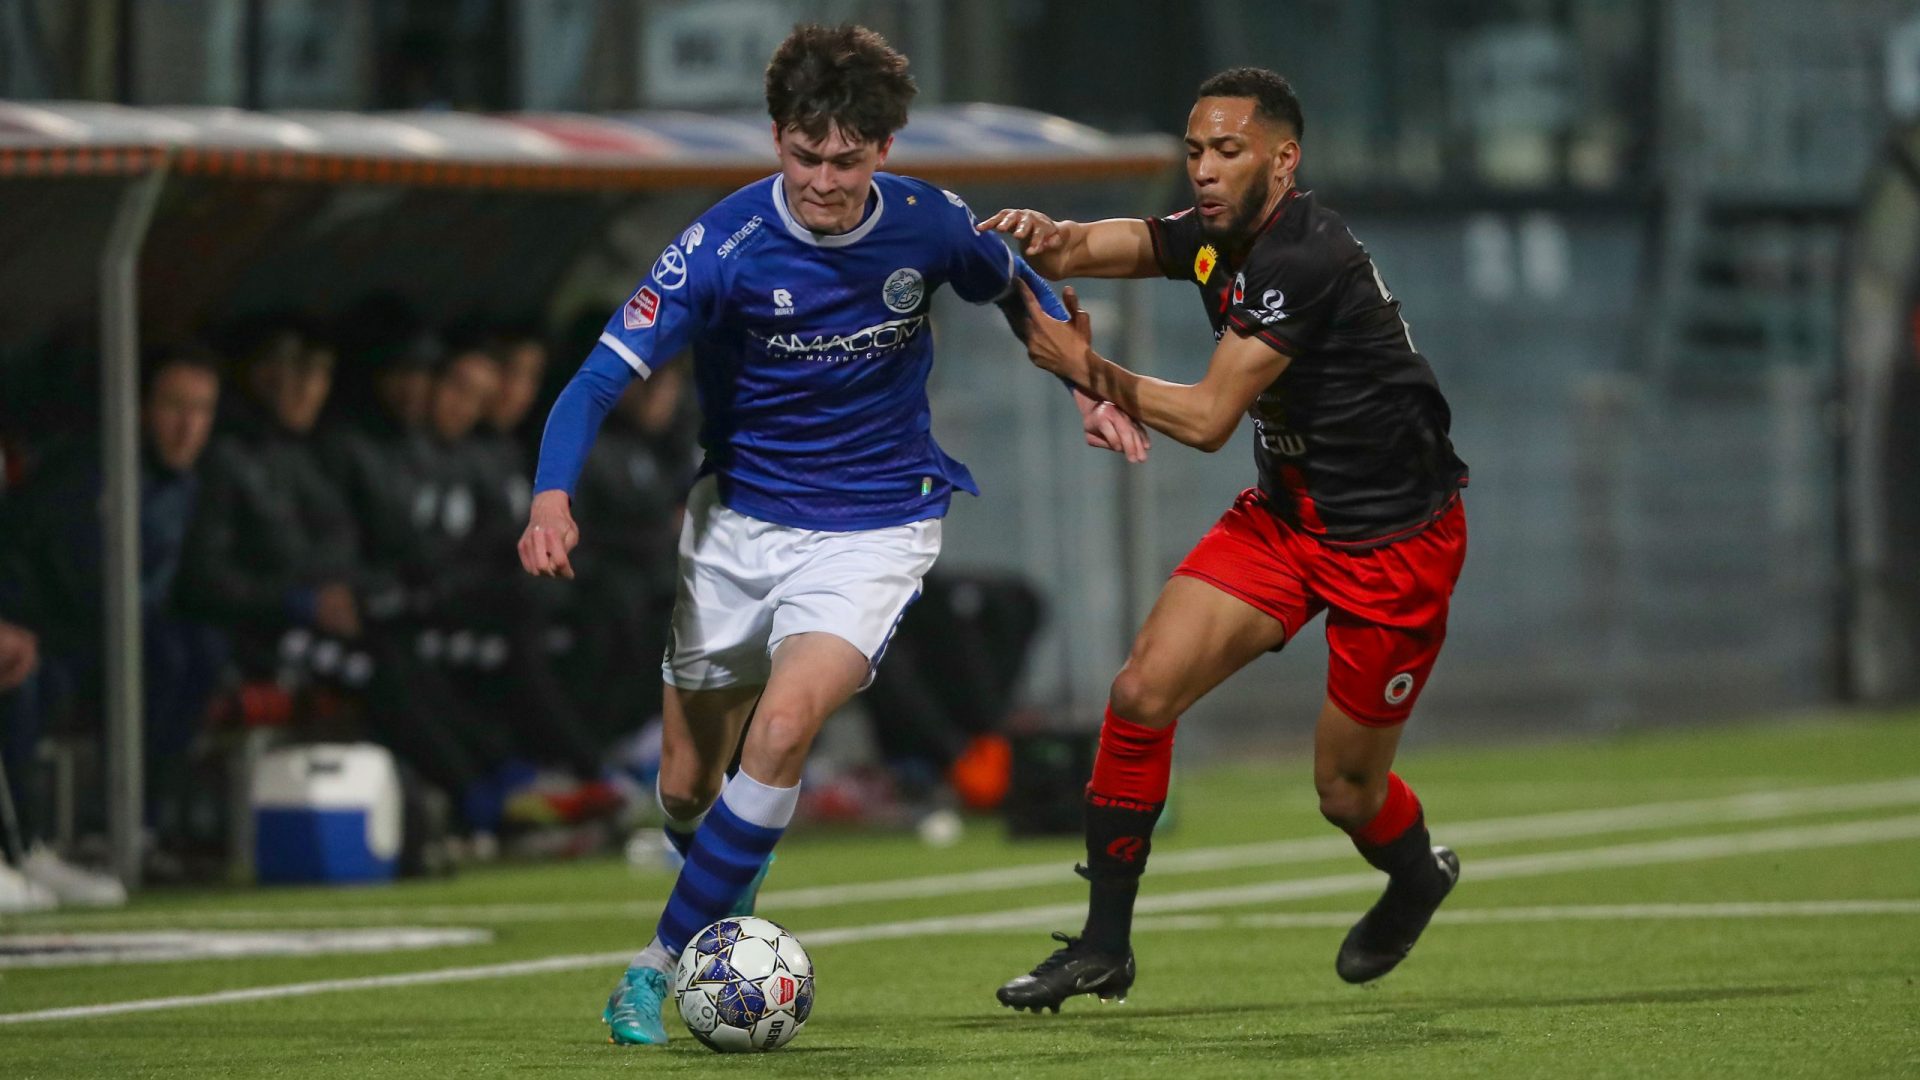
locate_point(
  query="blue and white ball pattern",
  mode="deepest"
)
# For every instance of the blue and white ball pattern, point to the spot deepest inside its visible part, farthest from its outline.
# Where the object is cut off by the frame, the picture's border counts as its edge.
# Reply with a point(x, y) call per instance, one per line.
point(744, 984)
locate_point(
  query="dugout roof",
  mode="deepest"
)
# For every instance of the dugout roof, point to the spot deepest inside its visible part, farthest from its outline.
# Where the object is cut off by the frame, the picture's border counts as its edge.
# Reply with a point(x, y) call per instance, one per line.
point(469, 216)
point(631, 151)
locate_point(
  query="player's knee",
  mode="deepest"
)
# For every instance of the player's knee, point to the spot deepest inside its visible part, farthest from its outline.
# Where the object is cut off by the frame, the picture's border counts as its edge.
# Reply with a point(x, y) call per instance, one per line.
point(688, 798)
point(779, 742)
point(1138, 698)
point(1349, 801)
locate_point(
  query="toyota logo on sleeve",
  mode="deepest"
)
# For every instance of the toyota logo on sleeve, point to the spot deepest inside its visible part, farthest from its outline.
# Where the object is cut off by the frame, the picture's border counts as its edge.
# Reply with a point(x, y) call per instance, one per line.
point(671, 269)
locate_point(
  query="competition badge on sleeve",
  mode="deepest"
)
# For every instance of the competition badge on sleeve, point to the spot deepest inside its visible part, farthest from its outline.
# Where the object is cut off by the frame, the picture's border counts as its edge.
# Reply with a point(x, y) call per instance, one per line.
point(639, 312)
point(1203, 263)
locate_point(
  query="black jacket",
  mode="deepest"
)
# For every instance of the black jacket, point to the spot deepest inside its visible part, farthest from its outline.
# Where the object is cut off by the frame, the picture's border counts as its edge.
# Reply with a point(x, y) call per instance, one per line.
point(52, 542)
point(270, 529)
point(625, 501)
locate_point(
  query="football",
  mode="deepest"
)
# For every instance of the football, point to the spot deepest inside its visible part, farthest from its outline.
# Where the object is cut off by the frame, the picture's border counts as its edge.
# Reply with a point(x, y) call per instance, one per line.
point(745, 984)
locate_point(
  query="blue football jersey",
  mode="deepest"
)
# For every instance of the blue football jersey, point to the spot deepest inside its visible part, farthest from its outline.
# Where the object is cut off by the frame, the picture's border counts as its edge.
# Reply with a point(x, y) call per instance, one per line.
point(811, 351)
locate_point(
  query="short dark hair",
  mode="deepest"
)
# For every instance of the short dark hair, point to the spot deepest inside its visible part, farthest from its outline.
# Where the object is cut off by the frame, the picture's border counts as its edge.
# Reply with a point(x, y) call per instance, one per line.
point(1272, 95)
point(505, 335)
point(846, 77)
point(192, 356)
point(263, 339)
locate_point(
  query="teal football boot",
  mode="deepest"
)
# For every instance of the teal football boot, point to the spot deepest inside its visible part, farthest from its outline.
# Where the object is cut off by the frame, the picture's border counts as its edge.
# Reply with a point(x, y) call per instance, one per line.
point(633, 1009)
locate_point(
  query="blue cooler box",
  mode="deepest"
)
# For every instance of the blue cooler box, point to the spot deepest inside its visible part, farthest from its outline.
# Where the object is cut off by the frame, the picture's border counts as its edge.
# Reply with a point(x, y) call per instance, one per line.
point(326, 813)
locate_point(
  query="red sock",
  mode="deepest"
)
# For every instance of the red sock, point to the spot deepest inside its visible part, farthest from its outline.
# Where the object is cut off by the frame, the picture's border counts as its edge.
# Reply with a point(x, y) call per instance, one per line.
point(1134, 762)
point(1124, 800)
point(1397, 814)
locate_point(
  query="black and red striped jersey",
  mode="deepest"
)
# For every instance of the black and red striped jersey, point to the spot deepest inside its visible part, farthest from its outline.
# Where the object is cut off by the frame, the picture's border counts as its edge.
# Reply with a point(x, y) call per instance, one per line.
point(1351, 439)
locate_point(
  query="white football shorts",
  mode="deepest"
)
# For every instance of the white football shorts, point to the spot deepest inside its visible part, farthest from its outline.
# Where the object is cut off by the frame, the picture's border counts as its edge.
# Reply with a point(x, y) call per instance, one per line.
point(746, 585)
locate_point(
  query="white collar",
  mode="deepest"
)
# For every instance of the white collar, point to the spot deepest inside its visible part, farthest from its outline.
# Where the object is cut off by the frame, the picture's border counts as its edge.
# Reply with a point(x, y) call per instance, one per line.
point(829, 240)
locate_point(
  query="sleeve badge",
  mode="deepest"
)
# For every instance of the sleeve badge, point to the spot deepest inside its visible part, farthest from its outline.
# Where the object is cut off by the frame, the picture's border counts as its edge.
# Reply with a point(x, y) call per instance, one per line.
point(1204, 262)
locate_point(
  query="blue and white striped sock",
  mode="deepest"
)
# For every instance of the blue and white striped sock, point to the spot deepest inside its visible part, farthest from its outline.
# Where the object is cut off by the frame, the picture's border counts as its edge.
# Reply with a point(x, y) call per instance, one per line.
point(738, 835)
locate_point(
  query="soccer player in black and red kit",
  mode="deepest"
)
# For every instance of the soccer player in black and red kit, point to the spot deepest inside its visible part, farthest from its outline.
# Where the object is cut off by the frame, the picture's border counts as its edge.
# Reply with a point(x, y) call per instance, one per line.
point(1357, 514)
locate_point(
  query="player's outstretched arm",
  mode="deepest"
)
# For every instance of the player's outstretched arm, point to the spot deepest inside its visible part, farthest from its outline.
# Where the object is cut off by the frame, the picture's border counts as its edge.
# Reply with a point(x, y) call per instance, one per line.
point(546, 545)
point(1202, 415)
point(1113, 248)
point(1105, 427)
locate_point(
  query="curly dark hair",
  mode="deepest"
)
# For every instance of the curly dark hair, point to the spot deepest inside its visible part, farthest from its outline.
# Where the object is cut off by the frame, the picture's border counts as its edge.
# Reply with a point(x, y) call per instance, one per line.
point(846, 77)
point(1272, 95)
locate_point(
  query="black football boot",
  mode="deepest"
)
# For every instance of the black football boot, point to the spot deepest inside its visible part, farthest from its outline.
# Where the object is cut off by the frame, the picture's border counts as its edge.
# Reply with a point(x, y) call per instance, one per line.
point(1386, 933)
point(1070, 971)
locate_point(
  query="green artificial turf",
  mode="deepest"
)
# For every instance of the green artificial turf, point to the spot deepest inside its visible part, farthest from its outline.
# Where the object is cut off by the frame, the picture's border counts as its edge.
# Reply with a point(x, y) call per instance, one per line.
point(1220, 993)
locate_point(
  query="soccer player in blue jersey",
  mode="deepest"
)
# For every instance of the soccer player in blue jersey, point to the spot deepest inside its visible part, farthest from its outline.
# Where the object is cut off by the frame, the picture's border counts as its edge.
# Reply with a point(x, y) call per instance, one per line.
point(805, 299)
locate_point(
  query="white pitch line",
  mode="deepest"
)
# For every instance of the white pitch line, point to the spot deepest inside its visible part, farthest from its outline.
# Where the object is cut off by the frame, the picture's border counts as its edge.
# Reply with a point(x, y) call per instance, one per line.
point(326, 986)
point(1784, 909)
point(1685, 849)
point(1727, 809)
point(166, 946)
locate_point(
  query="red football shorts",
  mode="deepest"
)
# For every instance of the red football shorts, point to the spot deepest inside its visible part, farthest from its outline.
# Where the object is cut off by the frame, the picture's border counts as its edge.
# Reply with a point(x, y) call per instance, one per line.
point(1386, 606)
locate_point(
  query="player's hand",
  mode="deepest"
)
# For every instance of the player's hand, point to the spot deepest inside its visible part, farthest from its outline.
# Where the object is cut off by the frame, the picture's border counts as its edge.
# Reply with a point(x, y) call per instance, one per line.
point(1077, 317)
point(550, 536)
point(1039, 232)
point(19, 655)
point(1108, 428)
point(1058, 347)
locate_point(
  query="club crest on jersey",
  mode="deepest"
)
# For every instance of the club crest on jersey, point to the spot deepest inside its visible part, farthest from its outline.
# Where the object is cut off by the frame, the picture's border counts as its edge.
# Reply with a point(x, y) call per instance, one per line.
point(1240, 288)
point(1399, 687)
point(639, 312)
point(1204, 262)
point(903, 290)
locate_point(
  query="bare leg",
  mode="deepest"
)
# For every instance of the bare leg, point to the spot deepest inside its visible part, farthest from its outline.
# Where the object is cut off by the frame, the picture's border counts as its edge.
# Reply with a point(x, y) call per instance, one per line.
point(813, 674)
point(1351, 762)
point(1353, 773)
point(700, 730)
point(1195, 637)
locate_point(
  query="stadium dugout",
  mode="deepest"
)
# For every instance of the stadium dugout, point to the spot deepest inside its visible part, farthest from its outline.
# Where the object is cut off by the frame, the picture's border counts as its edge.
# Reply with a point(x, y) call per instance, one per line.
point(153, 223)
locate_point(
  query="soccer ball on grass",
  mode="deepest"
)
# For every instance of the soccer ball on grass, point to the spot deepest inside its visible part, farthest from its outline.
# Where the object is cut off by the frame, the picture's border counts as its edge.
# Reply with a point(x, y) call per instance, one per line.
point(744, 984)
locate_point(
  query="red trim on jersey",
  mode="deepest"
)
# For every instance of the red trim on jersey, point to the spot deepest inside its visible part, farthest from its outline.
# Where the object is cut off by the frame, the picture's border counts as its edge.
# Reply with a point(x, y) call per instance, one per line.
point(1397, 814)
point(1247, 329)
point(1296, 484)
point(1411, 530)
point(1153, 236)
point(1278, 211)
point(1134, 761)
